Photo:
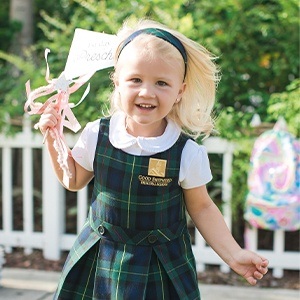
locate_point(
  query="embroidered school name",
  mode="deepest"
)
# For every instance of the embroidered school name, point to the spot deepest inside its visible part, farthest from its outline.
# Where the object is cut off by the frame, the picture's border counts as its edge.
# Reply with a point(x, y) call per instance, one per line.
point(154, 181)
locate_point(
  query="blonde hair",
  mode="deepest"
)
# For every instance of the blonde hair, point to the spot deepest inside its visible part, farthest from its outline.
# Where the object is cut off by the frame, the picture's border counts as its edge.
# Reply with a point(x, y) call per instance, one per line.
point(193, 112)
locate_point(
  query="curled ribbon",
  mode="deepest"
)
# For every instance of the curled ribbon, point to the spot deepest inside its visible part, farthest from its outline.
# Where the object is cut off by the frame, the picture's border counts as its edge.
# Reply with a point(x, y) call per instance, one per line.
point(62, 89)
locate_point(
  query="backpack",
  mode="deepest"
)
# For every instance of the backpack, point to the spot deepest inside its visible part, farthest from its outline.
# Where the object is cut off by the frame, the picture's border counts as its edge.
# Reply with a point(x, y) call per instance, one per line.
point(273, 200)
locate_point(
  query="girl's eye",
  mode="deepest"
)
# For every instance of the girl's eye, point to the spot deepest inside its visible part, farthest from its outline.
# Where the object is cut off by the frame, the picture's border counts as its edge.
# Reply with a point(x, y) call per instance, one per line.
point(162, 83)
point(136, 80)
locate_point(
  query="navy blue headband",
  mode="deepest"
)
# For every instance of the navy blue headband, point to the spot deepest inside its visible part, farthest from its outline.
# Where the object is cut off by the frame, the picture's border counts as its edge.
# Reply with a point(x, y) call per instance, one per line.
point(162, 34)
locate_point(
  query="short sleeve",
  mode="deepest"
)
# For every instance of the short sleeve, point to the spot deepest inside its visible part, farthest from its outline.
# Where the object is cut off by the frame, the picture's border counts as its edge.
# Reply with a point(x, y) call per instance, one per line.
point(84, 150)
point(194, 167)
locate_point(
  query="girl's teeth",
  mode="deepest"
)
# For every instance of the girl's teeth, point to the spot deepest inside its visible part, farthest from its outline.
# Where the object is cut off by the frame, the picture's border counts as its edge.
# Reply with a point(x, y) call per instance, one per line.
point(146, 105)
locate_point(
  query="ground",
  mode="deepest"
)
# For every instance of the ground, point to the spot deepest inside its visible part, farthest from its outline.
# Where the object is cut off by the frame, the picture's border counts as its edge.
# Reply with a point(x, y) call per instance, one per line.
point(212, 275)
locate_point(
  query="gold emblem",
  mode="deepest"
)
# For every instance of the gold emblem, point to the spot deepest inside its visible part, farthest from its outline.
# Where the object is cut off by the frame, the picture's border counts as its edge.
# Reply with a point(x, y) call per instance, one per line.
point(157, 167)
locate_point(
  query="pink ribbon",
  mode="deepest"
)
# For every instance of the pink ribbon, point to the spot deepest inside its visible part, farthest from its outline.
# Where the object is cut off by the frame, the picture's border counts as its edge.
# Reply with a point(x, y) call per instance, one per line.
point(60, 100)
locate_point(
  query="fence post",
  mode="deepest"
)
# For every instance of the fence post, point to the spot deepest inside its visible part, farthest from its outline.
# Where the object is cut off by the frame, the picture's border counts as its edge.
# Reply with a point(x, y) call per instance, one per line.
point(227, 193)
point(278, 248)
point(2, 261)
point(198, 248)
point(7, 193)
point(27, 182)
point(53, 210)
point(251, 237)
point(82, 207)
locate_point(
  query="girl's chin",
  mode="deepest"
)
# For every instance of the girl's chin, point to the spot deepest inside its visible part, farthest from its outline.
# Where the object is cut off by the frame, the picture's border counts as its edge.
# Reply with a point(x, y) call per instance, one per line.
point(145, 127)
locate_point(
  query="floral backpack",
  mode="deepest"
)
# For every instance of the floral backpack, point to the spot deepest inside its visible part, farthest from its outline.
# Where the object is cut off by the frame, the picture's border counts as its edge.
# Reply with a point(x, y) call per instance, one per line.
point(273, 200)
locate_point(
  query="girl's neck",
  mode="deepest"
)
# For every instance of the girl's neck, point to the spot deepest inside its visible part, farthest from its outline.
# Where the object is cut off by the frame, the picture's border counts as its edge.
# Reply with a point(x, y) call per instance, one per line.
point(151, 130)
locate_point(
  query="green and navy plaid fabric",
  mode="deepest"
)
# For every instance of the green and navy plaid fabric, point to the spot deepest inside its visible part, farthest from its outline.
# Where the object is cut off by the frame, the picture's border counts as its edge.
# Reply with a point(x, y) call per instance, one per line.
point(119, 197)
point(135, 243)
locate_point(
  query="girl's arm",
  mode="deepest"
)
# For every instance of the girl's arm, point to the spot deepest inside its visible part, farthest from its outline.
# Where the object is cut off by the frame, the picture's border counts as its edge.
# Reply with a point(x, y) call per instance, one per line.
point(80, 176)
point(210, 223)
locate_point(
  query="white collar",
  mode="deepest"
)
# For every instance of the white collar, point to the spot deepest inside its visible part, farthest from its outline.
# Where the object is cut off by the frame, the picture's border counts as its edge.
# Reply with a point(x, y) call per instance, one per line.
point(121, 139)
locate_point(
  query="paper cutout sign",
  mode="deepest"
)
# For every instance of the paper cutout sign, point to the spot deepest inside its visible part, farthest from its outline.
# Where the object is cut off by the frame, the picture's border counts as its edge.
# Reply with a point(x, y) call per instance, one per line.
point(90, 51)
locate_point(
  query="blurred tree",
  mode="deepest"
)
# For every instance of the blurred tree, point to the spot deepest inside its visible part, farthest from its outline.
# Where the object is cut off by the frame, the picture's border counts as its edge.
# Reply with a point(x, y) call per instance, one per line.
point(7, 27)
point(22, 11)
point(287, 105)
point(257, 42)
point(8, 30)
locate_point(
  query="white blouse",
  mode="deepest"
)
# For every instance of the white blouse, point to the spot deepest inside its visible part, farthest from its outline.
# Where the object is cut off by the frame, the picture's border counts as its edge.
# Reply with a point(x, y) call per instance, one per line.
point(194, 166)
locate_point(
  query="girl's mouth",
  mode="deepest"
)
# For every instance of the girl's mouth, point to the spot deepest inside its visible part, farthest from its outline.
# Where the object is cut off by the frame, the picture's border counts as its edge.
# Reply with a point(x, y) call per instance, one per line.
point(145, 106)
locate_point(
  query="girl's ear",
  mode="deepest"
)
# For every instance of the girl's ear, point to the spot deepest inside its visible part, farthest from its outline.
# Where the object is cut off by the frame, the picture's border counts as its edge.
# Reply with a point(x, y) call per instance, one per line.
point(115, 80)
point(180, 93)
point(116, 83)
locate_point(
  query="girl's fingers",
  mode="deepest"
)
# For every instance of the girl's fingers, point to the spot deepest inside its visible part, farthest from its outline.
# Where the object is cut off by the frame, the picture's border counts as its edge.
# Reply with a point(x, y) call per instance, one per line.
point(263, 266)
point(265, 263)
point(258, 275)
point(252, 280)
point(49, 119)
point(264, 271)
point(45, 135)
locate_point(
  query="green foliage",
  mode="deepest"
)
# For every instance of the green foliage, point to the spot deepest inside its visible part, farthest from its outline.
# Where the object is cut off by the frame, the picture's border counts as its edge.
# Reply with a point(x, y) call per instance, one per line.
point(241, 164)
point(8, 28)
point(287, 105)
point(233, 124)
point(257, 42)
point(8, 31)
point(14, 98)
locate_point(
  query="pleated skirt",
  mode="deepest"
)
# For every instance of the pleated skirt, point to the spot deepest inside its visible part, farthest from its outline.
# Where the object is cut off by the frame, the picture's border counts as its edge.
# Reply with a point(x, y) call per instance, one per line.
point(80, 282)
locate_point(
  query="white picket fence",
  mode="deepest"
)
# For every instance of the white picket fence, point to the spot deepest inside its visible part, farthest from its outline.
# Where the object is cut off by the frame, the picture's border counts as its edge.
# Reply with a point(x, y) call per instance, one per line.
point(53, 239)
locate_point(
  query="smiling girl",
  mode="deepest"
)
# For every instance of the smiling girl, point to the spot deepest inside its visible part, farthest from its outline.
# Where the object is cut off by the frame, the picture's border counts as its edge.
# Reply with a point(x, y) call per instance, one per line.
point(147, 172)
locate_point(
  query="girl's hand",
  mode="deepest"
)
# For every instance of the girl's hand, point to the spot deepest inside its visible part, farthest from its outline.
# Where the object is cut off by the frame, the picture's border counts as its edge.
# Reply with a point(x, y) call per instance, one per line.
point(49, 119)
point(249, 265)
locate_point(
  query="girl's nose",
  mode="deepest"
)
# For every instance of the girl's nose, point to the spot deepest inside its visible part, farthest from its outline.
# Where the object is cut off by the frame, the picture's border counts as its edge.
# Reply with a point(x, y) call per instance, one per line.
point(147, 92)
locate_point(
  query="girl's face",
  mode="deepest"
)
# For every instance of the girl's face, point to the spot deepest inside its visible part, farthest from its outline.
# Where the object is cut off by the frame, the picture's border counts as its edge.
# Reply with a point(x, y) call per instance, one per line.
point(149, 86)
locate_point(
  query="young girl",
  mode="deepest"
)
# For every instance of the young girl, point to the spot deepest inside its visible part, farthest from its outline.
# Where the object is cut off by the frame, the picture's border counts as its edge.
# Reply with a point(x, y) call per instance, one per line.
point(147, 172)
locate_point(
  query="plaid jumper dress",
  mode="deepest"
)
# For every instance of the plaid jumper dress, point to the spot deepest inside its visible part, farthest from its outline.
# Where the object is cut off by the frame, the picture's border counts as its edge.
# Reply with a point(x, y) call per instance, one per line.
point(134, 244)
